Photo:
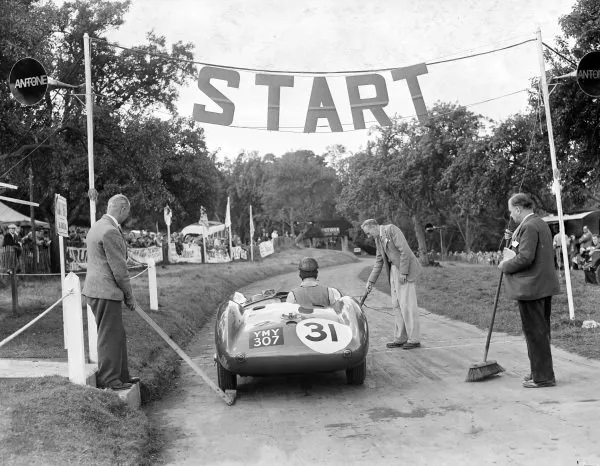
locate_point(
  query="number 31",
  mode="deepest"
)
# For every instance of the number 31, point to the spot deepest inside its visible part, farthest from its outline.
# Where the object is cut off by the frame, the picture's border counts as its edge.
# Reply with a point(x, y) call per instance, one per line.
point(320, 334)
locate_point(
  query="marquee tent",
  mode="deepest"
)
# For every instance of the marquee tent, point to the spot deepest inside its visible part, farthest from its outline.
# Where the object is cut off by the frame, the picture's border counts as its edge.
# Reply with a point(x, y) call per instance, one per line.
point(8, 215)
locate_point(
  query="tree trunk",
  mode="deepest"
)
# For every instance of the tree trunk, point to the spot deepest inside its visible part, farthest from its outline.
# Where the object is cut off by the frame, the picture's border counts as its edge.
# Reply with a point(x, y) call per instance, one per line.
point(420, 233)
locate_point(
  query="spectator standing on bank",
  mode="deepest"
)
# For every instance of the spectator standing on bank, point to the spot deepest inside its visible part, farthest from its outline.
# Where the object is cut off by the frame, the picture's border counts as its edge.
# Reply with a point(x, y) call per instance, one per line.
point(532, 281)
point(106, 287)
point(585, 240)
point(557, 243)
point(403, 270)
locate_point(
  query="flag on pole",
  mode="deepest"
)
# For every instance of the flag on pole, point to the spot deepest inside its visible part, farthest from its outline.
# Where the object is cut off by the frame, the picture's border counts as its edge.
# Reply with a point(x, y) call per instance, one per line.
point(228, 226)
point(227, 215)
point(251, 235)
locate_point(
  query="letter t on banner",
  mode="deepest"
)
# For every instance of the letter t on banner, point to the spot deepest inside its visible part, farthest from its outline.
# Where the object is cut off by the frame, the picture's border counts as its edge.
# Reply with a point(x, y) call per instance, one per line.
point(410, 73)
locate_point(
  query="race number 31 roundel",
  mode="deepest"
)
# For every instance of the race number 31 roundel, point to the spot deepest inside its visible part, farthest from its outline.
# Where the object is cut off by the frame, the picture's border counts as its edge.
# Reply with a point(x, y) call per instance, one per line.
point(324, 336)
point(28, 81)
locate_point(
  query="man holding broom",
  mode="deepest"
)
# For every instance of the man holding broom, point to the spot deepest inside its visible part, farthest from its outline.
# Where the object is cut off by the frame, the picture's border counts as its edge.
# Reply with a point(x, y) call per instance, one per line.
point(531, 280)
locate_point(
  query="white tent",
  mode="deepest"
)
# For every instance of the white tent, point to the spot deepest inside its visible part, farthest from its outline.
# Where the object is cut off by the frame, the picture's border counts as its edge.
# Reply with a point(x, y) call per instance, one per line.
point(8, 215)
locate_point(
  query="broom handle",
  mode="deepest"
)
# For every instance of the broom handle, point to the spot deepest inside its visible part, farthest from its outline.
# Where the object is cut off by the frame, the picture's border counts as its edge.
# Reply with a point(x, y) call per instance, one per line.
point(489, 337)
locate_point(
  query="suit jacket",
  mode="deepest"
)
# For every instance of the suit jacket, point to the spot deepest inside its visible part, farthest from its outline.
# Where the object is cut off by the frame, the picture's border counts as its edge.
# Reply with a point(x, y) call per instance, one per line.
point(107, 276)
point(392, 248)
point(530, 274)
point(9, 240)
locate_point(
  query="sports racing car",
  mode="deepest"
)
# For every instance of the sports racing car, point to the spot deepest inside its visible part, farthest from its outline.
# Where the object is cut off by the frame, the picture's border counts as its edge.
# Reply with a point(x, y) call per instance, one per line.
point(264, 335)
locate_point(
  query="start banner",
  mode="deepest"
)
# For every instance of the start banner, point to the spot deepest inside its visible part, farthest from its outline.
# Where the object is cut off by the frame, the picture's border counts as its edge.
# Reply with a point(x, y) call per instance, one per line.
point(359, 96)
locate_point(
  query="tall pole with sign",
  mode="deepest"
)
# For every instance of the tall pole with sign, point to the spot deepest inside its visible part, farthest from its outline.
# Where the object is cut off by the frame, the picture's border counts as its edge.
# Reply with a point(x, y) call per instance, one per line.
point(89, 109)
point(62, 230)
point(555, 172)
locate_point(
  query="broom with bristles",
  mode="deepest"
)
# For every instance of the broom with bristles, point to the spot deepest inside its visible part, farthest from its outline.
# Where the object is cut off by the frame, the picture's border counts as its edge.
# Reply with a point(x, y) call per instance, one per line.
point(487, 368)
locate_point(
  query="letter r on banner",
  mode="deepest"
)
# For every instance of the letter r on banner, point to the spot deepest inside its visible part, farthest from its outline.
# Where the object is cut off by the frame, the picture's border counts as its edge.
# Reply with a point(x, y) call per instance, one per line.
point(375, 104)
point(232, 78)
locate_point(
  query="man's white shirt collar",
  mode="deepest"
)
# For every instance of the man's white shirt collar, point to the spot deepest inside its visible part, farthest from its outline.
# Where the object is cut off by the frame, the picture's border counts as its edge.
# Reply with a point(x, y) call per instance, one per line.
point(114, 220)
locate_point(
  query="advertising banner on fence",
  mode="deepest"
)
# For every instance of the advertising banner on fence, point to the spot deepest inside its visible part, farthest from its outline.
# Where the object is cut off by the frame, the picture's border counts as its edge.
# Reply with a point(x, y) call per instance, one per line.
point(237, 253)
point(191, 253)
point(217, 255)
point(142, 255)
point(76, 259)
point(266, 248)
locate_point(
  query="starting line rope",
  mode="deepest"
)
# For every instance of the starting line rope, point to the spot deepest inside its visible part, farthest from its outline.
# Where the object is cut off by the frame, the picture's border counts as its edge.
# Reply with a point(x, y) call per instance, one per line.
point(25, 327)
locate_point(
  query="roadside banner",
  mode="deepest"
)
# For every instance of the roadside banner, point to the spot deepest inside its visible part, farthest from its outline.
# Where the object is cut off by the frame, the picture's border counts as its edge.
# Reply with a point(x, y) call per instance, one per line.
point(217, 255)
point(190, 253)
point(76, 259)
point(142, 255)
point(239, 253)
point(266, 248)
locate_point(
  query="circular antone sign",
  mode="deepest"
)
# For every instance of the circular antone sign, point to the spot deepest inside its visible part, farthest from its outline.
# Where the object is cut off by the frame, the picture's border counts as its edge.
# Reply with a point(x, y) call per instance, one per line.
point(588, 74)
point(28, 81)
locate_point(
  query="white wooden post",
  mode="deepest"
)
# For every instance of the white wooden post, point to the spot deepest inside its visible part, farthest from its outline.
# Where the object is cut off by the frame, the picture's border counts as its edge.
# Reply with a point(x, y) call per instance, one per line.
point(92, 329)
point(75, 344)
point(61, 247)
point(152, 285)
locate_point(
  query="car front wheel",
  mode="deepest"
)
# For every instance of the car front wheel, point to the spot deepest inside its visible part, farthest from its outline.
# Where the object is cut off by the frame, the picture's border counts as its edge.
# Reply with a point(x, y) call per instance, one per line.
point(227, 379)
point(356, 375)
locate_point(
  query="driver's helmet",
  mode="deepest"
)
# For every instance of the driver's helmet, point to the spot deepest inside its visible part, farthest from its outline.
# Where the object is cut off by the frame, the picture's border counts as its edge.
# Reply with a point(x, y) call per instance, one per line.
point(308, 264)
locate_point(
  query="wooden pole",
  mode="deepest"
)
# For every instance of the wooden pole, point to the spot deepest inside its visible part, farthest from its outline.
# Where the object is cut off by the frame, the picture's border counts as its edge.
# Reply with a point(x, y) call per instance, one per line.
point(89, 109)
point(14, 289)
point(36, 254)
point(555, 172)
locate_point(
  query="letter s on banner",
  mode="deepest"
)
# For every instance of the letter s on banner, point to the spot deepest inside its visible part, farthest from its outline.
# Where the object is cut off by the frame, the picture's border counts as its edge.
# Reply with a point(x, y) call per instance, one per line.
point(232, 78)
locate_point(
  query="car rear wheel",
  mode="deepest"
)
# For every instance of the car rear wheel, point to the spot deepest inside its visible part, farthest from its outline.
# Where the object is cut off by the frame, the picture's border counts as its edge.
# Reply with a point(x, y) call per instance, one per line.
point(227, 379)
point(356, 375)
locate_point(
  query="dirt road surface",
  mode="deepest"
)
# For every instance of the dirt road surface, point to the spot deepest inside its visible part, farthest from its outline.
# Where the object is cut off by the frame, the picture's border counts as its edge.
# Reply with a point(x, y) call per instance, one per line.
point(414, 407)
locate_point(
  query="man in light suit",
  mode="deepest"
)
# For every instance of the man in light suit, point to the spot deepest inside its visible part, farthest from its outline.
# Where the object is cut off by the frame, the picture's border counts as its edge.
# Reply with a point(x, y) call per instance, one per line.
point(106, 287)
point(403, 270)
point(531, 280)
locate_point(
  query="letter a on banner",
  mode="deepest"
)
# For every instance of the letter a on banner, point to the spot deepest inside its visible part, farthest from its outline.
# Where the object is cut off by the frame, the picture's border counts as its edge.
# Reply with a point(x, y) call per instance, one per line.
point(321, 106)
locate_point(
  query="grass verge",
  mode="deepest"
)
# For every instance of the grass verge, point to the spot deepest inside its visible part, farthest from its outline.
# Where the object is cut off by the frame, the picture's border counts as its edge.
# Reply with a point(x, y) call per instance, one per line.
point(50, 421)
point(466, 292)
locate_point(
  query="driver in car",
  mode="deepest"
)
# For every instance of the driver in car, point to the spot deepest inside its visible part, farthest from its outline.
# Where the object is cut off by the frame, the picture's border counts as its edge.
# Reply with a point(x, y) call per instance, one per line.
point(310, 293)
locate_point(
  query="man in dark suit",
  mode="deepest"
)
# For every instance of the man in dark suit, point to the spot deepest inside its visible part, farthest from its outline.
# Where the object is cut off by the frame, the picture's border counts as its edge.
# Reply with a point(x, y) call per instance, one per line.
point(106, 286)
point(531, 280)
point(403, 270)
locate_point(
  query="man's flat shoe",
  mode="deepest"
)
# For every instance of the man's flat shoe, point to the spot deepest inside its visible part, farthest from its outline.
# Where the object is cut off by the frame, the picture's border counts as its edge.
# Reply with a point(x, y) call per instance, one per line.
point(532, 384)
point(411, 345)
point(527, 378)
point(119, 386)
point(134, 380)
point(395, 344)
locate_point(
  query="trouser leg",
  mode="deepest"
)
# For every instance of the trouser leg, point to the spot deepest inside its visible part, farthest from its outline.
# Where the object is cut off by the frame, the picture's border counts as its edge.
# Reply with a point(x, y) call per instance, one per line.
point(112, 350)
point(535, 317)
point(410, 311)
point(400, 334)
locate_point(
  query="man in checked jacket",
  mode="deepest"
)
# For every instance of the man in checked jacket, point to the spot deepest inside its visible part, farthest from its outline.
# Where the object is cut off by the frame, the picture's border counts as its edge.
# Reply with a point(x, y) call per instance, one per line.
point(106, 287)
point(403, 270)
